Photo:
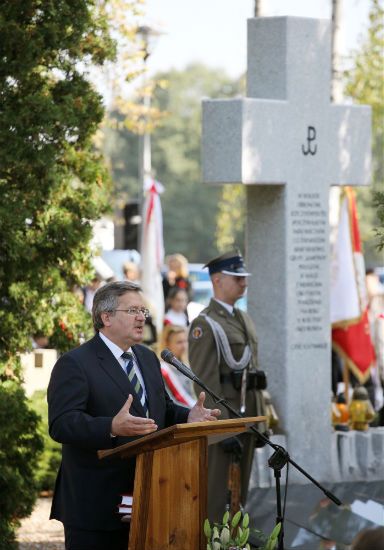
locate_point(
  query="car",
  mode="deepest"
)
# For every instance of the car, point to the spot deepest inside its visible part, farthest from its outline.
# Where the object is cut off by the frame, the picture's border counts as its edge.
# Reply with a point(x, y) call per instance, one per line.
point(380, 272)
point(202, 289)
point(197, 273)
point(117, 257)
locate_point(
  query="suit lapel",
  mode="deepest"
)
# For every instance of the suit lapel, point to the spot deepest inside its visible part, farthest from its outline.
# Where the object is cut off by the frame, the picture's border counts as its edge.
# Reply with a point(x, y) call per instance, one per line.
point(113, 369)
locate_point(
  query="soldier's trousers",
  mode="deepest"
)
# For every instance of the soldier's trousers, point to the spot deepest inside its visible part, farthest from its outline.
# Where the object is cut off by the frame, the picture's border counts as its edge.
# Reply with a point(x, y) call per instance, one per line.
point(218, 469)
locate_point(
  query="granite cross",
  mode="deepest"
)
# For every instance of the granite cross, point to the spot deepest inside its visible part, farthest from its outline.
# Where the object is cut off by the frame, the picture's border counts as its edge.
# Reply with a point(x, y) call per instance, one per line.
point(288, 143)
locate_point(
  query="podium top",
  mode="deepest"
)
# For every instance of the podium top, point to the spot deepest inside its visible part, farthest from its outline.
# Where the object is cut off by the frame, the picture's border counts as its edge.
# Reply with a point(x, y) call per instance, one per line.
point(214, 431)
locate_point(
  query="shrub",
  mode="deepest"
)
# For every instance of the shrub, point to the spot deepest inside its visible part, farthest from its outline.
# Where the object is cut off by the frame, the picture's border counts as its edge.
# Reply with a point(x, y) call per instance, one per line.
point(20, 446)
point(49, 461)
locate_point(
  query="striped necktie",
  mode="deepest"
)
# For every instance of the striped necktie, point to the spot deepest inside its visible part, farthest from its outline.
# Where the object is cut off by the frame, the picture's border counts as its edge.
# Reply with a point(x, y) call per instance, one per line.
point(133, 378)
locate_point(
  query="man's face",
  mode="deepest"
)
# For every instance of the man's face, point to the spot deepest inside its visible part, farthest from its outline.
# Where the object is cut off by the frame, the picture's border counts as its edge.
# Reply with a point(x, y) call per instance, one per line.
point(122, 328)
point(229, 288)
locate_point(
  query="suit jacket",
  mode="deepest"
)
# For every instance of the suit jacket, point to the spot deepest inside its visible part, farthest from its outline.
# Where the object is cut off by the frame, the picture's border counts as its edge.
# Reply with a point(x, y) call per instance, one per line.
point(87, 389)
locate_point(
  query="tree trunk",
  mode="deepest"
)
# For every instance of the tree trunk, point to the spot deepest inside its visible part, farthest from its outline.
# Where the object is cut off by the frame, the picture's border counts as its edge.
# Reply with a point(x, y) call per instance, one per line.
point(260, 8)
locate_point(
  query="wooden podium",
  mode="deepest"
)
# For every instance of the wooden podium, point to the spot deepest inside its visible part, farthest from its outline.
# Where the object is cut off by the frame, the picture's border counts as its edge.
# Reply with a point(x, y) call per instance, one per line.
point(170, 489)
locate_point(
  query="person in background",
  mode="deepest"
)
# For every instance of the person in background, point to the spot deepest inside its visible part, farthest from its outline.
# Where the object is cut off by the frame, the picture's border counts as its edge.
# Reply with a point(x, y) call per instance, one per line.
point(223, 354)
point(89, 292)
point(178, 386)
point(375, 295)
point(176, 308)
point(369, 539)
point(131, 272)
point(105, 393)
point(177, 275)
point(40, 341)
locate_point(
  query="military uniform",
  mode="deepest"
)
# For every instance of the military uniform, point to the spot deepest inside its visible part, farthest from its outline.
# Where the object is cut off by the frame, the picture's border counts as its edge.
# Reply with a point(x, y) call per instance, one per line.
point(215, 372)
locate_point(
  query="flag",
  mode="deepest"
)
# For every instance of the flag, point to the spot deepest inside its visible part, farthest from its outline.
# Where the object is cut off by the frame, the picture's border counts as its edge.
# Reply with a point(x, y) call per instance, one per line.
point(349, 304)
point(152, 250)
point(175, 387)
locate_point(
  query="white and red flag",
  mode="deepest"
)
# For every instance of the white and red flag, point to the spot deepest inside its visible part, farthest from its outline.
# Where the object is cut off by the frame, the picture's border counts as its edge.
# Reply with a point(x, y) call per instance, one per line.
point(349, 305)
point(152, 250)
point(175, 386)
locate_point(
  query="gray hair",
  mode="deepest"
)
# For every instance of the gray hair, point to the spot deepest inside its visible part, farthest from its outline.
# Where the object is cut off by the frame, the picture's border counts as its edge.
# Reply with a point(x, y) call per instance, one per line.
point(107, 298)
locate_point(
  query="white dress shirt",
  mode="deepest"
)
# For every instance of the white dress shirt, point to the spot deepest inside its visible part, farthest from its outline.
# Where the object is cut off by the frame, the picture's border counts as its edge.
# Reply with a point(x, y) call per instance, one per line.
point(228, 307)
point(117, 352)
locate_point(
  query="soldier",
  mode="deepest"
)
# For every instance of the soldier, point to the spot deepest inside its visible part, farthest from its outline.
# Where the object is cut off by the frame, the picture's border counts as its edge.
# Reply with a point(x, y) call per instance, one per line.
point(223, 353)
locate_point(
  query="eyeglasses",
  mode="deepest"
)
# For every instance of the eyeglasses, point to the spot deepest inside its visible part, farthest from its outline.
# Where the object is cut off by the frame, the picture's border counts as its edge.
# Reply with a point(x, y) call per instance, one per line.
point(135, 311)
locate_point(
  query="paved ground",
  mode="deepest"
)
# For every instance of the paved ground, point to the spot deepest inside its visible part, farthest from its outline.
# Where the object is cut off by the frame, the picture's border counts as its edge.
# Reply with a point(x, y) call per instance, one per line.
point(38, 532)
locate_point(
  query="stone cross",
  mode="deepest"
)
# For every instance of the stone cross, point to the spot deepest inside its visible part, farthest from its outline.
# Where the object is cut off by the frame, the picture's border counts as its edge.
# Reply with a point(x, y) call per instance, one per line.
point(288, 143)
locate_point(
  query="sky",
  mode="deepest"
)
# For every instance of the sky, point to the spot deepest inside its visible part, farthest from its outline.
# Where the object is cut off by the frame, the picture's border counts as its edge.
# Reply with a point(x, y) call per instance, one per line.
point(214, 31)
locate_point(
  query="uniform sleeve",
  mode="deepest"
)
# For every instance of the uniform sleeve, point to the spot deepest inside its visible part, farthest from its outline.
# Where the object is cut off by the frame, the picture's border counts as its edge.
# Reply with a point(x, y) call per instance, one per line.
point(69, 423)
point(204, 362)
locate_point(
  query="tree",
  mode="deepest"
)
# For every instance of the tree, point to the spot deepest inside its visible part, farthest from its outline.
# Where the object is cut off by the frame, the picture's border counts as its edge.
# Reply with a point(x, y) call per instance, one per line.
point(365, 84)
point(189, 208)
point(52, 185)
point(379, 204)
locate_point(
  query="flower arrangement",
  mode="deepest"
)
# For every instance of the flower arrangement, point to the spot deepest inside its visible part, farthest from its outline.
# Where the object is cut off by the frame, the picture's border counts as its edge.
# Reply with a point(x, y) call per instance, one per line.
point(233, 534)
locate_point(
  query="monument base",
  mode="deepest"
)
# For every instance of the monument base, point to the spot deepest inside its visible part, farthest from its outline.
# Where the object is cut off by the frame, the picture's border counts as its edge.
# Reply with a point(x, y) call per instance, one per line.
point(355, 456)
point(311, 519)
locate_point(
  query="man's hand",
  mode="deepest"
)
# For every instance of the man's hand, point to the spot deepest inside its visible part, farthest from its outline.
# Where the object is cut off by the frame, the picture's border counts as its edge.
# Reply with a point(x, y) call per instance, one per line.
point(199, 413)
point(124, 423)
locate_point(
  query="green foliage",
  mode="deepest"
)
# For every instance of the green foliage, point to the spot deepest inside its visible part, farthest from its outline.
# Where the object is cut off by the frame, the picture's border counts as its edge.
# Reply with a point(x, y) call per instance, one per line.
point(52, 182)
point(231, 218)
point(365, 84)
point(379, 204)
point(49, 461)
point(233, 533)
point(189, 207)
point(20, 445)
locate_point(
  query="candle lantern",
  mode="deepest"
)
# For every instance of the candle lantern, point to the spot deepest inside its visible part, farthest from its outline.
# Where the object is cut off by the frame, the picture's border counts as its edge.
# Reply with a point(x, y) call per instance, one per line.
point(340, 413)
point(360, 409)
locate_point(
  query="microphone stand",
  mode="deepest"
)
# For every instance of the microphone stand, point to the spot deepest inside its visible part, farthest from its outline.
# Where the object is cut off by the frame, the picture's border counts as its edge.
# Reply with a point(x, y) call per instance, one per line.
point(277, 461)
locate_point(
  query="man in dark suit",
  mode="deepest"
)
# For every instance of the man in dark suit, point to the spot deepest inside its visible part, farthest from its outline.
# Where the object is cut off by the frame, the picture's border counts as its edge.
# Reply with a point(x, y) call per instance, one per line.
point(104, 394)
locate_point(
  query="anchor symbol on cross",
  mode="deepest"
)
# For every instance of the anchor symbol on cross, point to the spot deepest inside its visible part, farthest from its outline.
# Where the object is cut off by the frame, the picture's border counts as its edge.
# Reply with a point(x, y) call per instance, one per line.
point(311, 136)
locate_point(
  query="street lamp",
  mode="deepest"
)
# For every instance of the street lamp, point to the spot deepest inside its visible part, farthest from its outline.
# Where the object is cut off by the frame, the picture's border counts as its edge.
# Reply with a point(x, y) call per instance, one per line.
point(133, 210)
point(148, 36)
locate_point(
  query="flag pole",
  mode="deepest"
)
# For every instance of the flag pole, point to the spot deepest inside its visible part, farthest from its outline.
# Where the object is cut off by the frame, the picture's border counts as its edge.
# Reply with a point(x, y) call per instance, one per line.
point(346, 381)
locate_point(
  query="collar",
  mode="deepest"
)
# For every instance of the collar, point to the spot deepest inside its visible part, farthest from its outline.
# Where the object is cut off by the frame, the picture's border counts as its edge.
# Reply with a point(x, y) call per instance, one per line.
point(114, 348)
point(228, 307)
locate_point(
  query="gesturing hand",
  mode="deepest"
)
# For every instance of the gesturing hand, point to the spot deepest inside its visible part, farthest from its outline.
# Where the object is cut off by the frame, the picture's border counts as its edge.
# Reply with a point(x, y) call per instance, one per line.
point(199, 413)
point(124, 423)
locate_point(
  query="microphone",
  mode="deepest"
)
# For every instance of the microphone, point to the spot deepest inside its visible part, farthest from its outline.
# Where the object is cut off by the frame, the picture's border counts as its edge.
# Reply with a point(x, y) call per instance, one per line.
point(169, 357)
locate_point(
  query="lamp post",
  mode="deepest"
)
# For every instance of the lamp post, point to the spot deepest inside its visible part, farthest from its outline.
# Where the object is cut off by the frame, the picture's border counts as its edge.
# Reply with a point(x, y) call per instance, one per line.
point(151, 232)
point(148, 36)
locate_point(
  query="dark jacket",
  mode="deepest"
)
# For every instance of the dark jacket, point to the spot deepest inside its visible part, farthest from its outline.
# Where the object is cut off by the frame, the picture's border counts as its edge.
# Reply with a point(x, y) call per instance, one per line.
point(87, 389)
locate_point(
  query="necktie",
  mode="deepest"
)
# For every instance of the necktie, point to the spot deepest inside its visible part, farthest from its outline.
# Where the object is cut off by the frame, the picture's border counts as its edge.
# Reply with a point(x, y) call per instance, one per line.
point(132, 377)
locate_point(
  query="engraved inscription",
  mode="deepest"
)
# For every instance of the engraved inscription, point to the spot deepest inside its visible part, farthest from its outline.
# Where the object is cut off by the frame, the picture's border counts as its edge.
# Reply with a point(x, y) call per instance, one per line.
point(309, 251)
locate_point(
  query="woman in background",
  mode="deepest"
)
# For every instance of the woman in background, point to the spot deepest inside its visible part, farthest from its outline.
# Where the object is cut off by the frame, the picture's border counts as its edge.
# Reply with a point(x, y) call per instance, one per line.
point(177, 275)
point(178, 386)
